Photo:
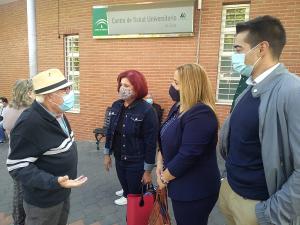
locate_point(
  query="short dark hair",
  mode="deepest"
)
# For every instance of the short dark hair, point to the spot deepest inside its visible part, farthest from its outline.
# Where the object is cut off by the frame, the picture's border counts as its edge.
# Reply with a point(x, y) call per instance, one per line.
point(264, 28)
point(137, 80)
point(3, 99)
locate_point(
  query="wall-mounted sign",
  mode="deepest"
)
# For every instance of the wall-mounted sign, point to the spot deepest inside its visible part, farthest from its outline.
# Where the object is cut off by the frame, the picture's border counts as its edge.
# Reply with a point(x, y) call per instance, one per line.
point(160, 19)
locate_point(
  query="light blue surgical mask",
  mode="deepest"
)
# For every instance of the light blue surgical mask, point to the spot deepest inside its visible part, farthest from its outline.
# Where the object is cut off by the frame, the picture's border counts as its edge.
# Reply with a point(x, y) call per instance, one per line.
point(68, 102)
point(149, 100)
point(238, 63)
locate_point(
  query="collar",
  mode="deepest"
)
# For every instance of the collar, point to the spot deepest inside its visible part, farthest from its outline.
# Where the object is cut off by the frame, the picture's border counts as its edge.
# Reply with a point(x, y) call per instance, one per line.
point(43, 111)
point(132, 105)
point(56, 116)
point(270, 81)
point(51, 113)
point(262, 76)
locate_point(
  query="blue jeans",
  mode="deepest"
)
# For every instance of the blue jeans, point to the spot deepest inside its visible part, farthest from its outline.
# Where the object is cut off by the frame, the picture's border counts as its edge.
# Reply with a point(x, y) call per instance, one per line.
point(130, 175)
point(2, 134)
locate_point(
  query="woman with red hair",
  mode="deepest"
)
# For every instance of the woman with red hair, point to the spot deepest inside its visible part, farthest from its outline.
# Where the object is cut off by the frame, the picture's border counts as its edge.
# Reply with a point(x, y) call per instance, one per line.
point(131, 135)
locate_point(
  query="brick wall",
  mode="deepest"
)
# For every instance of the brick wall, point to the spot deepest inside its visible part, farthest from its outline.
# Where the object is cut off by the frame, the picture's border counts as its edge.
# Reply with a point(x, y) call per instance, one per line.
point(102, 60)
point(13, 45)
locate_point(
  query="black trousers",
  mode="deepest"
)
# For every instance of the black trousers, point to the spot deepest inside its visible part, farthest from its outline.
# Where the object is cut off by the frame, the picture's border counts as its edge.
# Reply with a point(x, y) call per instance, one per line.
point(18, 210)
point(130, 175)
point(193, 212)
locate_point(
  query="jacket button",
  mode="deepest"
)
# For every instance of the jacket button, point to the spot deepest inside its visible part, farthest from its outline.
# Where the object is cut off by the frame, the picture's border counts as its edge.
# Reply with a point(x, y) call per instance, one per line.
point(125, 158)
point(123, 125)
point(123, 135)
point(254, 90)
point(123, 145)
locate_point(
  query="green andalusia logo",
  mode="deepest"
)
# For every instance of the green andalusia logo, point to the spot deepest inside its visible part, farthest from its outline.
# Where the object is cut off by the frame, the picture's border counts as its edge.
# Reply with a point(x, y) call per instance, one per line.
point(100, 24)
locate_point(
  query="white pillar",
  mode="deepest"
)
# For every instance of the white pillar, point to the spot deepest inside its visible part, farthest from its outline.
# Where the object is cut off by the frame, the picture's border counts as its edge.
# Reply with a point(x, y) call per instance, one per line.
point(32, 49)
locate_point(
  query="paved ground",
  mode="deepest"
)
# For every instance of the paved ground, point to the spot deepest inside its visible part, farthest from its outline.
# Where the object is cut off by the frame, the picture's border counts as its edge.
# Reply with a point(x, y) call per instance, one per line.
point(91, 203)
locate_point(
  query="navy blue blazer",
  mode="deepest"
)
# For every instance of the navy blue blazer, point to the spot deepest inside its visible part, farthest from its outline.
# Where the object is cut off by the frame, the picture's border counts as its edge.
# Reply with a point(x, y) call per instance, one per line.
point(189, 151)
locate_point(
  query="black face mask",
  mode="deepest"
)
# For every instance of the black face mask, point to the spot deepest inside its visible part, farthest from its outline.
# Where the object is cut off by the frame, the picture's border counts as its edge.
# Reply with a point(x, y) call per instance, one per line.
point(174, 94)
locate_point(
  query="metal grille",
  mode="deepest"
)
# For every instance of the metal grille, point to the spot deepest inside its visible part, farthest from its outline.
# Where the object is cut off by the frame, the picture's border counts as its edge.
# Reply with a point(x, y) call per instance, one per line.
point(72, 67)
point(227, 78)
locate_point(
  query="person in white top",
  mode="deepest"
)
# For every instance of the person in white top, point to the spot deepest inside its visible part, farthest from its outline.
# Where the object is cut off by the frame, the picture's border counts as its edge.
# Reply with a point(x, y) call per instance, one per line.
point(22, 98)
point(3, 106)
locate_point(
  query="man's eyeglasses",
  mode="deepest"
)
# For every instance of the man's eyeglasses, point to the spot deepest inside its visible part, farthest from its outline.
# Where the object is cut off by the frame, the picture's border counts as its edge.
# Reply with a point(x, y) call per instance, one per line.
point(66, 89)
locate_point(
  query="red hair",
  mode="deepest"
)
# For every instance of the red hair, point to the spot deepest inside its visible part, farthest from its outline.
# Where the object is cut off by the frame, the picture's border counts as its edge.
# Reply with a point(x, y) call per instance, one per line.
point(137, 80)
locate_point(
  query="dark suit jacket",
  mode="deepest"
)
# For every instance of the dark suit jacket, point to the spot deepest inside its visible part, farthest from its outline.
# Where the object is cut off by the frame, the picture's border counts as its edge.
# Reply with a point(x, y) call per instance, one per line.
point(189, 151)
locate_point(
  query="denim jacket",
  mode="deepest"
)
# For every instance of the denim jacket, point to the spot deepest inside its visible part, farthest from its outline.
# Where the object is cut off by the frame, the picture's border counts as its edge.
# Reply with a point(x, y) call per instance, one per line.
point(139, 135)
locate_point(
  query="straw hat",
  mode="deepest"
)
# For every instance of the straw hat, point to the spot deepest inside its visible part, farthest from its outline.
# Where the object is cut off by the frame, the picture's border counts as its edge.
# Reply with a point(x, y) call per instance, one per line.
point(49, 81)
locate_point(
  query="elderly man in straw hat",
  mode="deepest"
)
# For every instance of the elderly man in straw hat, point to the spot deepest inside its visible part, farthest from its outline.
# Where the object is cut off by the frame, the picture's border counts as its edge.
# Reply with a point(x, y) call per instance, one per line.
point(43, 151)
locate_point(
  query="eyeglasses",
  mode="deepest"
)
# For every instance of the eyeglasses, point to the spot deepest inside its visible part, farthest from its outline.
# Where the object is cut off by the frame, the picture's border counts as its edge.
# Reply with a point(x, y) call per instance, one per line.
point(66, 89)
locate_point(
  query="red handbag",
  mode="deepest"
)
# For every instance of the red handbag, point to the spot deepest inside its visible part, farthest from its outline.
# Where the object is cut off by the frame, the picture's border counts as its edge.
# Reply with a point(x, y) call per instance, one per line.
point(139, 207)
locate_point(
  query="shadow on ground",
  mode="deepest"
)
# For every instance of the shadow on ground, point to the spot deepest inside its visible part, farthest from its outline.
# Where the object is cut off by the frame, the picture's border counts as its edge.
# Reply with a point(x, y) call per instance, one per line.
point(92, 202)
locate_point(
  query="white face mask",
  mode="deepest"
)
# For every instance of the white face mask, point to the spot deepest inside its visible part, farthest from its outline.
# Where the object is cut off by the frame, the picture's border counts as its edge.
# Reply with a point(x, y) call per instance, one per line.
point(125, 93)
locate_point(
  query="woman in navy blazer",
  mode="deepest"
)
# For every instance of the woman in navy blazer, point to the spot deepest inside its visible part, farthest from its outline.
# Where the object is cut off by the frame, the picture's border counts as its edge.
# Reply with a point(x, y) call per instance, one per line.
point(187, 162)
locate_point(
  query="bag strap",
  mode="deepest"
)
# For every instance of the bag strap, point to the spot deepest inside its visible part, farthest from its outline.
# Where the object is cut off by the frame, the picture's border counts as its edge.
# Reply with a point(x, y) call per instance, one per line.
point(142, 203)
point(144, 189)
point(162, 200)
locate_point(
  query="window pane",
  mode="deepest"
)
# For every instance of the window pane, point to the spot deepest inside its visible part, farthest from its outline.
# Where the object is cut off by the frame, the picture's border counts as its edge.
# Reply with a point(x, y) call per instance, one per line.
point(234, 16)
point(227, 89)
point(228, 79)
point(225, 67)
point(228, 42)
point(76, 83)
point(72, 66)
point(77, 101)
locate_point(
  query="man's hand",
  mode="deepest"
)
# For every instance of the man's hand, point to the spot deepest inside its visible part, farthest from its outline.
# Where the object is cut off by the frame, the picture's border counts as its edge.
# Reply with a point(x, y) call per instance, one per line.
point(107, 162)
point(65, 182)
point(147, 179)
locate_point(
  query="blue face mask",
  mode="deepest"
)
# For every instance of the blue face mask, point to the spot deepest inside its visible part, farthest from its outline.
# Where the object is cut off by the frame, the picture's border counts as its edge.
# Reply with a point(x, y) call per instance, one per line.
point(68, 102)
point(238, 63)
point(149, 100)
